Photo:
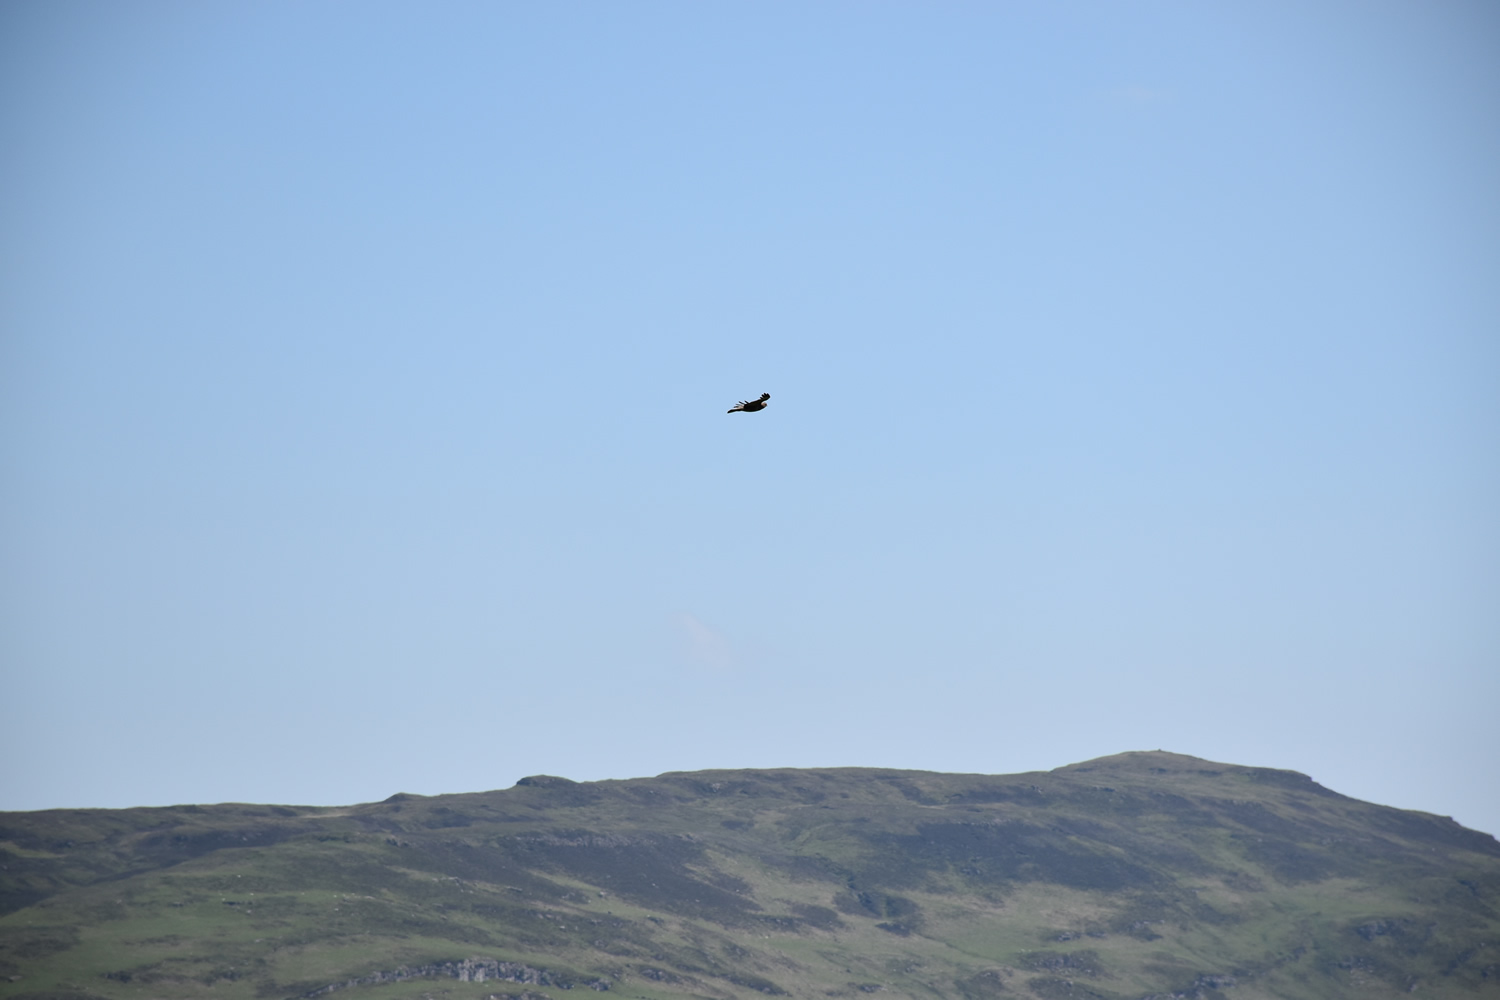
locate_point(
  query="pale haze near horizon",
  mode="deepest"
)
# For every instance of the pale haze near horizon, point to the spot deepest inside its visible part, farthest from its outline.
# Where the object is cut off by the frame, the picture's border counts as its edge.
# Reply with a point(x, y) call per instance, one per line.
point(1133, 374)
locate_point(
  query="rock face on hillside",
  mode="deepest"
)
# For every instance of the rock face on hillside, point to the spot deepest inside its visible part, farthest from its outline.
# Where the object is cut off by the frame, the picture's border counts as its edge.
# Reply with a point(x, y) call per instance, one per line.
point(1143, 875)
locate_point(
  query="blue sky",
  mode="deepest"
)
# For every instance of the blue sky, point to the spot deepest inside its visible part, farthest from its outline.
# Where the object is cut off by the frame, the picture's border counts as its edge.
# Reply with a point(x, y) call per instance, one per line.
point(1133, 371)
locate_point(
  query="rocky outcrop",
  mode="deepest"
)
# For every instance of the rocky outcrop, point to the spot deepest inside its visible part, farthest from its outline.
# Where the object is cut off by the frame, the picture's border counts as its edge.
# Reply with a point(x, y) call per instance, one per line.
point(469, 970)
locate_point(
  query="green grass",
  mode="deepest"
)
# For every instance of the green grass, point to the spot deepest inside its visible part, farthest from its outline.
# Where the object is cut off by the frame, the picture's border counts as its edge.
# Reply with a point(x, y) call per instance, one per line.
point(1131, 876)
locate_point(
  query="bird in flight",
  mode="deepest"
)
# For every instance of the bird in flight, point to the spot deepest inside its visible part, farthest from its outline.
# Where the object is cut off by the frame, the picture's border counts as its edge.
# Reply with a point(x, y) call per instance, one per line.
point(751, 405)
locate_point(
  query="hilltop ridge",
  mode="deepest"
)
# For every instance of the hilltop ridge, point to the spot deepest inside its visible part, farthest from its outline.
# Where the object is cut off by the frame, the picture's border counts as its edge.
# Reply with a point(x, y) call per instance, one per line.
point(1142, 874)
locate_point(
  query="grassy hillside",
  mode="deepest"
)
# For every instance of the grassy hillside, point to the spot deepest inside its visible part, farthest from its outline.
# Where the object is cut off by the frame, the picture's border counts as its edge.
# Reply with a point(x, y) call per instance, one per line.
point(1139, 875)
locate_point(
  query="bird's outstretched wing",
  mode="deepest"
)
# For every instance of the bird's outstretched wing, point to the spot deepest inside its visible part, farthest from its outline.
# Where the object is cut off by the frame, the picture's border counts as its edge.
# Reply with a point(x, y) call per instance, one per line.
point(750, 405)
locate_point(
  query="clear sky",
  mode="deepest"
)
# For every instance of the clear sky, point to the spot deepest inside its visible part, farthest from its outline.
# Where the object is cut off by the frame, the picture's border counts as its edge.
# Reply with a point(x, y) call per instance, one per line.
point(1135, 374)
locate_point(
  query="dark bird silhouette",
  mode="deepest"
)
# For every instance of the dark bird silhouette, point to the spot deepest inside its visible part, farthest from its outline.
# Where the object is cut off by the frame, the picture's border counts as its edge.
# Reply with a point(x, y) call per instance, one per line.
point(750, 406)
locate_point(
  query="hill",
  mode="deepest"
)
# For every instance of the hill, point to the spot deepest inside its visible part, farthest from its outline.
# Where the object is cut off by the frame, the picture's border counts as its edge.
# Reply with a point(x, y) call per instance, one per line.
point(1133, 876)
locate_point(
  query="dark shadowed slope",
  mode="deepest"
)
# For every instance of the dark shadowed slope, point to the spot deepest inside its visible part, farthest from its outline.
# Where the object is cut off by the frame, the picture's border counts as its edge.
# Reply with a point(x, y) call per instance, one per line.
point(1138, 875)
